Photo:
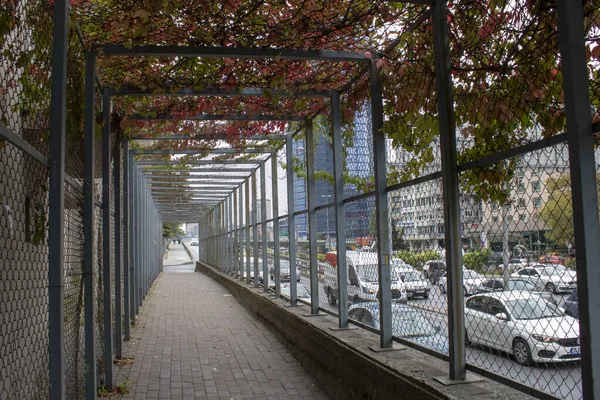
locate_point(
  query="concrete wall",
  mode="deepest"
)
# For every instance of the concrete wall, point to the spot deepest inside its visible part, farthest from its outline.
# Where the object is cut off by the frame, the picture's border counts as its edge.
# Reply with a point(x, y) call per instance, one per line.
point(342, 362)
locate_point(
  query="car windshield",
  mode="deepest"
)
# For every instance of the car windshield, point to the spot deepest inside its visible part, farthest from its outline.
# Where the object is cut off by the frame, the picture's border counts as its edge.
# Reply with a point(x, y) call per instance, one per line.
point(412, 276)
point(521, 285)
point(471, 275)
point(369, 273)
point(411, 323)
point(284, 266)
point(532, 308)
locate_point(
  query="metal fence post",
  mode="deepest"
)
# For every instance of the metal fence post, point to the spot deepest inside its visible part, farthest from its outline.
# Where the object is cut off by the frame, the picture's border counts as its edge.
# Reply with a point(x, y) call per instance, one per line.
point(241, 237)
point(235, 231)
point(255, 227)
point(340, 216)
point(117, 227)
point(291, 217)
point(106, 247)
point(456, 312)
point(126, 241)
point(583, 187)
point(248, 224)
point(263, 217)
point(56, 246)
point(312, 218)
point(89, 253)
point(381, 210)
point(276, 252)
point(133, 232)
point(231, 228)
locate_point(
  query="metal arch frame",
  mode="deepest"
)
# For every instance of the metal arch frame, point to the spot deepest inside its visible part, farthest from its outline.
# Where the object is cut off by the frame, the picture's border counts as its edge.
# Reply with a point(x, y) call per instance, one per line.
point(195, 170)
point(207, 137)
point(215, 91)
point(198, 162)
point(215, 117)
point(211, 151)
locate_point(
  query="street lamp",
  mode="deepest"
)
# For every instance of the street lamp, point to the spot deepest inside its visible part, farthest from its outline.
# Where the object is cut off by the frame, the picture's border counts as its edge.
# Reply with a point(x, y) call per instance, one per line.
point(326, 196)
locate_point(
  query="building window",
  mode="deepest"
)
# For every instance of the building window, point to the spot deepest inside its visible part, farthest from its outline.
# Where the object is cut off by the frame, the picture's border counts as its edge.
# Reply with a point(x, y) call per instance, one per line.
point(494, 206)
point(521, 173)
point(523, 217)
point(521, 187)
point(521, 203)
point(495, 219)
point(536, 186)
point(537, 201)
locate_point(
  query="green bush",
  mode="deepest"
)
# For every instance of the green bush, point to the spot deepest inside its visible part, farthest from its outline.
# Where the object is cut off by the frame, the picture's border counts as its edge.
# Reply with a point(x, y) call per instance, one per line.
point(321, 257)
point(477, 260)
point(417, 259)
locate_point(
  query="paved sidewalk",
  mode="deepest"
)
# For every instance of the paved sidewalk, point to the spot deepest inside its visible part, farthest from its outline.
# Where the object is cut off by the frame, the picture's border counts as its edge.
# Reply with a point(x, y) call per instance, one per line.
point(193, 340)
point(176, 256)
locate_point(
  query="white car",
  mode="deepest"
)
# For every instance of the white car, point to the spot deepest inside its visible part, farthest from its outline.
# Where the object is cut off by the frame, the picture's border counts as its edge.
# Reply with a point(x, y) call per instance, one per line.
point(194, 242)
point(471, 282)
point(548, 277)
point(524, 325)
point(415, 283)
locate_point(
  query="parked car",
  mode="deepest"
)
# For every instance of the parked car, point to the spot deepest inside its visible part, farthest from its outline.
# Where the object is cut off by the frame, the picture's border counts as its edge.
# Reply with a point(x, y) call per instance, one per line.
point(284, 271)
point(472, 280)
point(433, 270)
point(549, 278)
point(513, 284)
point(194, 242)
point(416, 284)
point(522, 324)
point(362, 278)
point(571, 305)
point(407, 322)
point(260, 270)
point(515, 264)
point(552, 259)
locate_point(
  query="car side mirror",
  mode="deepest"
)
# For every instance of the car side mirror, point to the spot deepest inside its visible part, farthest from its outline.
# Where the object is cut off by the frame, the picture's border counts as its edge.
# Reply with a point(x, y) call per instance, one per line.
point(502, 316)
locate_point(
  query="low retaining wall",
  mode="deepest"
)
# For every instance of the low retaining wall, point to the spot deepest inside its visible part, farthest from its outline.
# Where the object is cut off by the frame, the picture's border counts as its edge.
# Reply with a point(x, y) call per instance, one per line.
point(342, 362)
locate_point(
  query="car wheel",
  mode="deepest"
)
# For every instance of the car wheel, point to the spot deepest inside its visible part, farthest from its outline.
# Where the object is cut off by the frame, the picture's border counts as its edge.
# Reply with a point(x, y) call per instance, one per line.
point(331, 298)
point(521, 352)
point(426, 274)
point(550, 287)
point(442, 288)
point(426, 295)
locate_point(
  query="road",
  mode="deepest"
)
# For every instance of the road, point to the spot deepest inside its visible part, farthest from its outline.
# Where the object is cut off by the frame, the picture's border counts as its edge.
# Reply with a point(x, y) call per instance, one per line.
point(561, 380)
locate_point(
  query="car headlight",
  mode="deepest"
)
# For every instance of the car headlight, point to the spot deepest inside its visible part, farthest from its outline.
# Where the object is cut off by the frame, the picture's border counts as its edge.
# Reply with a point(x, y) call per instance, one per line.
point(545, 339)
point(367, 290)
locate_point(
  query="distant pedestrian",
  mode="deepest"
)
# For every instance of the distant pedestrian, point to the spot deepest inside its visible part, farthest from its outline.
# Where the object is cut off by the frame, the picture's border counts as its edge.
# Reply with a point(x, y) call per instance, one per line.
point(178, 240)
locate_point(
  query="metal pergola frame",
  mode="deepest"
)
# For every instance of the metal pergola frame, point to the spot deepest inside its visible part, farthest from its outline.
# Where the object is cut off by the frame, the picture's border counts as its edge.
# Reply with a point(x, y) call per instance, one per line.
point(142, 219)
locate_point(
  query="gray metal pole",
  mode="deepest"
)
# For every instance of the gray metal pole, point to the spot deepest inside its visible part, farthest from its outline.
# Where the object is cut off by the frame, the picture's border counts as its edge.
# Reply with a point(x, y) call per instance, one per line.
point(312, 217)
point(276, 252)
point(255, 227)
point(135, 264)
point(583, 186)
point(89, 254)
point(231, 234)
point(248, 224)
point(340, 216)
point(56, 209)
point(381, 210)
point(456, 311)
point(291, 218)
point(236, 250)
point(241, 237)
point(225, 235)
point(117, 227)
point(126, 241)
point(106, 242)
point(263, 217)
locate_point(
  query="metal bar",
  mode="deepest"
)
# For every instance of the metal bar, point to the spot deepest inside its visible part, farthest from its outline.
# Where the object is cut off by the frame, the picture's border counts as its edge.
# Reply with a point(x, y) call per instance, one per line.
point(263, 220)
point(416, 181)
point(255, 227)
point(134, 233)
point(192, 172)
point(210, 138)
point(236, 250)
point(340, 217)
point(514, 152)
point(22, 145)
point(382, 221)
point(214, 117)
point(230, 52)
point(275, 203)
point(260, 150)
point(89, 253)
point(126, 241)
point(241, 236)
point(456, 317)
point(583, 187)
point(291, 218)
point(117, 241)
point(106, 240)
point(198, 162)
point(312, 217)
point(248, 224)
point(56, 209)
point(212, 91)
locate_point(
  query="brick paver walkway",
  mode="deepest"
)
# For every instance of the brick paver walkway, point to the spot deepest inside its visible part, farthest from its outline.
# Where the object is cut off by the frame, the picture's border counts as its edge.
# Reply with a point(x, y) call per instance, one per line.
point(194, 340)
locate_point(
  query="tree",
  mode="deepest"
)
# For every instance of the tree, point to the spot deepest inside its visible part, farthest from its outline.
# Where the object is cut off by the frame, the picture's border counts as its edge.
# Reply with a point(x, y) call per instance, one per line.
point(171, 230)
point(558, 210)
